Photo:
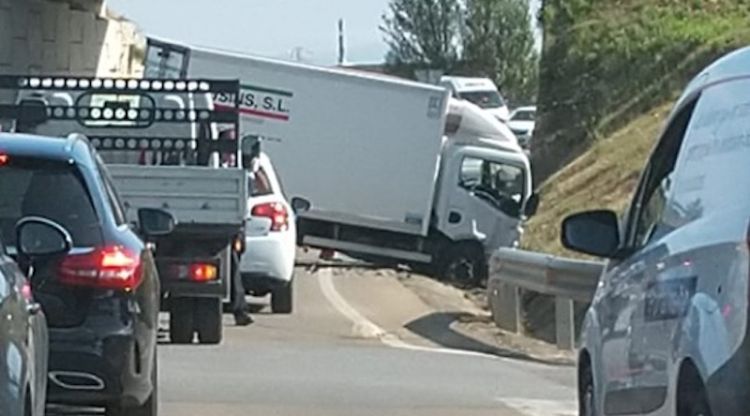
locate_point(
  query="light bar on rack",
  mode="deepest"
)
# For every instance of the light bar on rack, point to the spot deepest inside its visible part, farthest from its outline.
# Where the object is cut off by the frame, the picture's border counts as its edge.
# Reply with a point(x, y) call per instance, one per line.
point(118, 114)
point(122, 85)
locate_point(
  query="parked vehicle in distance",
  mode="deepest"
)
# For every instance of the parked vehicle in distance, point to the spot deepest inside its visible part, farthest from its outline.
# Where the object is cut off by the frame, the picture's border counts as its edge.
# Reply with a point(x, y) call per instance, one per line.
point(101, 299)
point(522, 123)
point(23, 337)
point(667, 331)
point(479, 91)
point(394, 171)
point(267, 266)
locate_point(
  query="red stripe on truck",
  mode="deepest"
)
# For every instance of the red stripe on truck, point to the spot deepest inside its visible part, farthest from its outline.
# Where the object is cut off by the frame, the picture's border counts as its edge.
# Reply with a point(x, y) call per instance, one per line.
point(253, 112)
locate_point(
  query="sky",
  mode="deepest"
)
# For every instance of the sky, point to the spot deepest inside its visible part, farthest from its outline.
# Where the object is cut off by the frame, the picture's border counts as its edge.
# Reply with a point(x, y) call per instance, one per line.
point(278, 28)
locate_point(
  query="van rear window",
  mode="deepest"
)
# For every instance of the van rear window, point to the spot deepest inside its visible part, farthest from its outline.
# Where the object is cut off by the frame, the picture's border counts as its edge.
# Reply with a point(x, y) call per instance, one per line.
point(49, 189)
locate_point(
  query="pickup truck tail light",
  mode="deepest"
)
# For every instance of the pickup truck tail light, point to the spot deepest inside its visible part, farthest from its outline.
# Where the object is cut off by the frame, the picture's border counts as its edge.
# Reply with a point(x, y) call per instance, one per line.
point(276, 212)
point(111, 267)
point(203, 272)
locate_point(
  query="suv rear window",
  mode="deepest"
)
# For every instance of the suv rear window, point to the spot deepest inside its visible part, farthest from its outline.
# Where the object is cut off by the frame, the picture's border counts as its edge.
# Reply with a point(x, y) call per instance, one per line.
point(49, 189)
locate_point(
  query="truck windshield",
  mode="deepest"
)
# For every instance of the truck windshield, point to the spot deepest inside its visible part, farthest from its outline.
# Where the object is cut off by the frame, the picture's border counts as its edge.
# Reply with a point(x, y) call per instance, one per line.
point(499, 184)
point(483, 99)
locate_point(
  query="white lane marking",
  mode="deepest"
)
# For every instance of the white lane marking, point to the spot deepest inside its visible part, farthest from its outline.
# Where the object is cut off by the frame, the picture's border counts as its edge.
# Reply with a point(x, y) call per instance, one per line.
point(536, 407)
point(365, 328)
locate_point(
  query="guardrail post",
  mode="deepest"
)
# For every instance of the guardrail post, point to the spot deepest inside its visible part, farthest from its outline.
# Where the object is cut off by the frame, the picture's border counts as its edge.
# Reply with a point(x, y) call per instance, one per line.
point(505, 303)
point(565, 323)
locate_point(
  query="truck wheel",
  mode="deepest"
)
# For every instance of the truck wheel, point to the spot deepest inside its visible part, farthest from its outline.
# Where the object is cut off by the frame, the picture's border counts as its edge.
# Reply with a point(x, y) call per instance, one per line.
point(181, 320)
point(150, 407)
point(282, 299)
point(208, 320)
point(463, 265)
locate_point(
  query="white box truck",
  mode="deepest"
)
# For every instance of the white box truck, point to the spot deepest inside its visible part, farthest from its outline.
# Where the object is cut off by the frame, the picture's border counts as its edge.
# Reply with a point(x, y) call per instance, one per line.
point(392, 172)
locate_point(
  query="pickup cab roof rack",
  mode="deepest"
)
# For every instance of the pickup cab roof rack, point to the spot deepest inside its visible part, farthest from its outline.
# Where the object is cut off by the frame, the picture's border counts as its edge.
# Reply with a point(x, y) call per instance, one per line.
point(87, 104)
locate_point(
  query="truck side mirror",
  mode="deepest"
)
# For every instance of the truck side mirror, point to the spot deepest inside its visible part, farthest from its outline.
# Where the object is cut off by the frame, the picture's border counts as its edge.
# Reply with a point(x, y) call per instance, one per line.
point(155, 222)
point(531, 205)
point(300, 205)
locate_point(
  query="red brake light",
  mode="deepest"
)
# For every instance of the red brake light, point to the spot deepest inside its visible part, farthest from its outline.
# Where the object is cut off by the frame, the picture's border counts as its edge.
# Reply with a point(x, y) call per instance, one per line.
point(112, 267)
point(4, 159)
point(276, 212)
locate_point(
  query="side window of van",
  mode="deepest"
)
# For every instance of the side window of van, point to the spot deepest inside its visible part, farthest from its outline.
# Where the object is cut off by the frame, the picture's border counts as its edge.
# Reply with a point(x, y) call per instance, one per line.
point(656, 185)
point(713, 172)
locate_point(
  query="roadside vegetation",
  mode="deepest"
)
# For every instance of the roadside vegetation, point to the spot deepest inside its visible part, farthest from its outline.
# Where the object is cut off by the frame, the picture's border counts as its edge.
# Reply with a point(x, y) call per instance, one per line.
point(607, 62)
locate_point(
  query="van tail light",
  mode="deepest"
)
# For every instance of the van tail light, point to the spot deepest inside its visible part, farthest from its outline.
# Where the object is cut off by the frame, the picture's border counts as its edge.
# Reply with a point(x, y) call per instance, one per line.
point(111, 267)
point(276, 212)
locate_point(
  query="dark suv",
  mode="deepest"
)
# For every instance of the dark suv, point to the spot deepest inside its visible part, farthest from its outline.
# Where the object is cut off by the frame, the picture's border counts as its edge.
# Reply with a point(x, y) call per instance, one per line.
point(101, 298)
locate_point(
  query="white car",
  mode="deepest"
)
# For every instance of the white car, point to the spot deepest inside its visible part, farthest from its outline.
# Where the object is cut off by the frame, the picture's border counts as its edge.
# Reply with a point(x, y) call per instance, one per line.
point(267, 265)
point(522, 123)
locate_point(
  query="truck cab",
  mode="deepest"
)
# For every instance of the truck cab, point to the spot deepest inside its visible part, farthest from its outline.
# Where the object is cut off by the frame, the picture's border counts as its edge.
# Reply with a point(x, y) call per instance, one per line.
point(479, 91)
point(484, 192)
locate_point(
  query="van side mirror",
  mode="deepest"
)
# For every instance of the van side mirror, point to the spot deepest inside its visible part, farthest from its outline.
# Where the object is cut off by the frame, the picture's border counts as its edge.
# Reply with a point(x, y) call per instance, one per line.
point(594, 232)
point(300, 205)
point(155, 222)
point(40, 237)
point(532, 205)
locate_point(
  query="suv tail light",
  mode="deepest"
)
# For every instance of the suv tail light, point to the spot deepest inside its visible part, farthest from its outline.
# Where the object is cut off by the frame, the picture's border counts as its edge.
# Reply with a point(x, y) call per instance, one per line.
point(112, 267)
point(276, 212)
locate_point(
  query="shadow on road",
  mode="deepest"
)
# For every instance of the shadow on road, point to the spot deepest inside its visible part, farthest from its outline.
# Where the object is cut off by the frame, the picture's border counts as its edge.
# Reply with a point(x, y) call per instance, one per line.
point(437, 327)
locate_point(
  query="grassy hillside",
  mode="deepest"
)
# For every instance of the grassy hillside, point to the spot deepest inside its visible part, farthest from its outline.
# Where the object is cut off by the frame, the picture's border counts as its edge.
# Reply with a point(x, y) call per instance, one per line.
point(605, 62)
point(603, 177)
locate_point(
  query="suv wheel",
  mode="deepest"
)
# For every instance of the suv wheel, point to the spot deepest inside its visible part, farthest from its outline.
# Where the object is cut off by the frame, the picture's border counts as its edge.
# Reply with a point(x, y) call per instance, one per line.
point(150, 407)
point(282, 299)
point(181, 320)
point(208, 320)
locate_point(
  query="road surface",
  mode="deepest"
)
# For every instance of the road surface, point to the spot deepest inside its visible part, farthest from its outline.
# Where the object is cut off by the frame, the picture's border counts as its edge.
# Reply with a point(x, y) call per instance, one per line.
point(346, 351)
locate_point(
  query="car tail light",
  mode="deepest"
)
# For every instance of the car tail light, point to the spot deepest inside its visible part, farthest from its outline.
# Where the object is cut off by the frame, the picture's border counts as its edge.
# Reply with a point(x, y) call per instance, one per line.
point(4, 159)
point(200, 272)
point(276, 212)
point(112, 267)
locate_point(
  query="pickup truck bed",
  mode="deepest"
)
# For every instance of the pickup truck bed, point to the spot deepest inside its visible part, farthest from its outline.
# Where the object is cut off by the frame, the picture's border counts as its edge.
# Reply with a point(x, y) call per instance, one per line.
point(198, 197)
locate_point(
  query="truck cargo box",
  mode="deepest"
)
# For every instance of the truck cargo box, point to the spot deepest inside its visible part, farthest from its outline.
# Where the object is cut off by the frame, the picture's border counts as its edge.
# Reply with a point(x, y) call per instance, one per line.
point(363, 149)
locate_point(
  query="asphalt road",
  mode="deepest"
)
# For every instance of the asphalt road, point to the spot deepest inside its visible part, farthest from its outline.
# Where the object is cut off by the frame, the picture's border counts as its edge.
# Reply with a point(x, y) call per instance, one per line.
point(347, 350)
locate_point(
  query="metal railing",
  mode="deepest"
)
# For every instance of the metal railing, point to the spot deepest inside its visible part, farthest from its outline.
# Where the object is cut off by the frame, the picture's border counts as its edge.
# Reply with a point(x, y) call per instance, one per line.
point(568, 280)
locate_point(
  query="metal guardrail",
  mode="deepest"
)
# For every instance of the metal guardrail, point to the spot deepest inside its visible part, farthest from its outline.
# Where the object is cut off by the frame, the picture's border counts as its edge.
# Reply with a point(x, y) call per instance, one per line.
point(566, 279)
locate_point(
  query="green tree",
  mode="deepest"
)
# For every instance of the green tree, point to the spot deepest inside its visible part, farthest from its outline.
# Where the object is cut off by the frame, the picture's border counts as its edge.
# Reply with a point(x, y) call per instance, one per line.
point(423, 33)
point(499, 43)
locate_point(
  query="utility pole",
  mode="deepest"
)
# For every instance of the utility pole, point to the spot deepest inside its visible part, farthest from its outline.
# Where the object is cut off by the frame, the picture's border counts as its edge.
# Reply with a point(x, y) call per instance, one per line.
point(342, 47)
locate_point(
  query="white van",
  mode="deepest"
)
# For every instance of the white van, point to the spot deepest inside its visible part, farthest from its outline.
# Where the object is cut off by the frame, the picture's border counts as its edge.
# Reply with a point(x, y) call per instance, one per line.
point(480, 91)
point(667, 330)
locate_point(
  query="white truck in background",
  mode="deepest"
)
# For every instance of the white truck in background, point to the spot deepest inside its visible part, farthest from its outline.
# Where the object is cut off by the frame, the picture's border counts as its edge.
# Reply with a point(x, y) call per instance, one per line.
point(392, 172)
point(480, 91)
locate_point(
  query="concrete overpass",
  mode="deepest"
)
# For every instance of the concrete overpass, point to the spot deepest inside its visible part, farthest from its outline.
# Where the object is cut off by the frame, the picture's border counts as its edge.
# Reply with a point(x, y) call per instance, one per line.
point(67, 37)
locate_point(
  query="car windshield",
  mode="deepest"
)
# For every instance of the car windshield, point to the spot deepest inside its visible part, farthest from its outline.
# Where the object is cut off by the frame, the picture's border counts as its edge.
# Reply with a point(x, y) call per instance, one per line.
point(48, 189)
point(523, 115)
point(484, 99)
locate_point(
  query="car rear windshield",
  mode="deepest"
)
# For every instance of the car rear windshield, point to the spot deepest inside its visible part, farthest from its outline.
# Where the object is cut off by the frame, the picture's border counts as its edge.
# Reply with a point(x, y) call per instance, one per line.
point(525, 115)
point(49, 189)
point(484, 99)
